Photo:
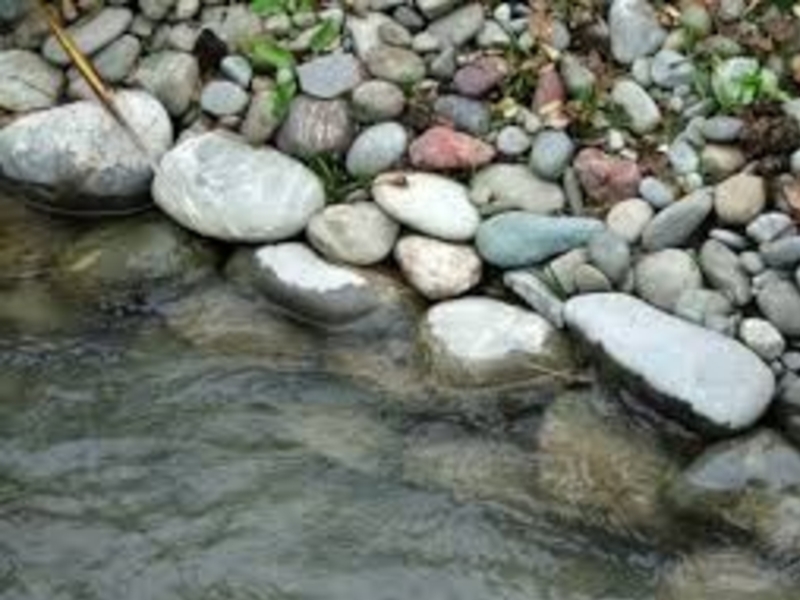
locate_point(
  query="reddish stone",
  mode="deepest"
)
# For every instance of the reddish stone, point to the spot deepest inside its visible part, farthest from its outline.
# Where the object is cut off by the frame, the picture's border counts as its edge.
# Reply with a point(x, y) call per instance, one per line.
point(606, 178)
point(443, 149)
point(550, 91)
point(481, 76)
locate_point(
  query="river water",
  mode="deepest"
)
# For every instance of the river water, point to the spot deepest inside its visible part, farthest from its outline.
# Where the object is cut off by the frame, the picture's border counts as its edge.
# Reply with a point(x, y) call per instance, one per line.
point(133, 468)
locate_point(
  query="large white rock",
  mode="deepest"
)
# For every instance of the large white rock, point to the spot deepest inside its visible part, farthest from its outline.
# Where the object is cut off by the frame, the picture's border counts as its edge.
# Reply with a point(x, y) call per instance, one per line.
point(223, 188)
point(427, 203)
point(82, 154)
point(706, 379)
point(482, 341)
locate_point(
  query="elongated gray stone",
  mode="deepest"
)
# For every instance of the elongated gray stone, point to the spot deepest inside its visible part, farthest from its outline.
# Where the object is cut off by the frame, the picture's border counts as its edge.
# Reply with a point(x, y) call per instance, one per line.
point(674, 225)
point(706, 380)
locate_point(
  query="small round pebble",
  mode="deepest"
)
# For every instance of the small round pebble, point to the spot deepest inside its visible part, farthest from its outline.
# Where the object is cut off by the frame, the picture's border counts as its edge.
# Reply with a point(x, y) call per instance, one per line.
point(731, 239)
point(223, 98)
point(762, 337)
point(513, 140)
point(238, 69)
point(377, 100)
point(752, 263)
point(656, 192)
point(551, 153)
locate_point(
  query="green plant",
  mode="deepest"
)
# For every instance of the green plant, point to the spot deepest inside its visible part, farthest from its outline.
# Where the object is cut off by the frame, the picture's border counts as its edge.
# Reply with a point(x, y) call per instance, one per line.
point(338, 183)
point(739, 82)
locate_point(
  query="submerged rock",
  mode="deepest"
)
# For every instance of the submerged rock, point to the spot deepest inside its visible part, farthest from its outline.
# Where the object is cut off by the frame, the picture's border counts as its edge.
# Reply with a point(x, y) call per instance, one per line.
point(131, 260)
point(710, 382)
point(481, 341)
point(224, 189)
point(750, 484)
point(596, 471)
point(75, 158)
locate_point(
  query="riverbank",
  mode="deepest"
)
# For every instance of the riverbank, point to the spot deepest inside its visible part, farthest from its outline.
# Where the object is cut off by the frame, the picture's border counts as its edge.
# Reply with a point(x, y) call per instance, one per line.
point(466, 202)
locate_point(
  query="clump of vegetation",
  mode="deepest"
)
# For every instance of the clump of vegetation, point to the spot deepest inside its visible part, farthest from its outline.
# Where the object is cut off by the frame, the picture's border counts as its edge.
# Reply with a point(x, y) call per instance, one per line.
point(268, 55)
point(338, 183)
point(739, 82)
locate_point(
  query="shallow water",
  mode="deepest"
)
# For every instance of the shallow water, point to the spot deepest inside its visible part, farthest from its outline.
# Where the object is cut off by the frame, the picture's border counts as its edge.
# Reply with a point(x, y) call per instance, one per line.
point(133, 468)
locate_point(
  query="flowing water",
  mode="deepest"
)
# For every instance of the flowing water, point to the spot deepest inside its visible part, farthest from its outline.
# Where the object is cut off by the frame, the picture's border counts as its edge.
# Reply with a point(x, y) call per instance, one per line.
point(133, 468)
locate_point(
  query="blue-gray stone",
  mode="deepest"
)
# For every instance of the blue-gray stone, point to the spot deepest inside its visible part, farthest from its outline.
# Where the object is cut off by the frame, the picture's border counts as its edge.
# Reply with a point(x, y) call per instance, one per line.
point(519, 239)
point(656, 192)
point(551, 154)
point(722, 129)
point(783, 253)
point(466, 114)
point(674, 225)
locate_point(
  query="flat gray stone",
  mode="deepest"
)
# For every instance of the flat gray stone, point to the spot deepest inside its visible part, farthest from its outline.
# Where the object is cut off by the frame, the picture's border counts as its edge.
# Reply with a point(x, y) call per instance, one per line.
point(634, 29)
point(779, 302)
point(224, 189)
point(641, 110)
point(673, 226)
point(359, 233)
point(536, 294)
point(397, 65)
point(722, 269)
point(662, 277)
point(223, 98)
point(503, 187)
point(377, 149)
point(315, 127)
point(330, 76)
point(170, 76)
point(91, 34)
point(783, 253)
point(705, 379)
point(458, 27)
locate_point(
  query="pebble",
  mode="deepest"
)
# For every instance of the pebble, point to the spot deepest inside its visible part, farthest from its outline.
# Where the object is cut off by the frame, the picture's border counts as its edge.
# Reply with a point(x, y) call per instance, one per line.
point(590, 280)
point(260, 121)
point(444, 149)
point(513, 140)
point(330, 76)
point(377, 149)
point(427, 203)
point(722, 269)
point(437, 269)
point(731, 239)
point(656, 192)
point(770, 226)
point(222, 98)
point(663, 276)
point(629, 218)
point(719, 162)
point(578, 78)
point(683, 158)
point(458, 27)
point(377, 100)
point(783, 253)
point(481, 76)
point(606, 178)
point(520, 239)
point(676, 224)
point(762, 338)
point(464, 114)
point(315, 127)
point(358, 234)
point(779, 302)
point(551, 153)
point(670, 69)
point(702, 306)
point(722, 129)
point(409, 18)
point(493, 35)
point(561, 270)
point(634, 30)
point(435, 8)
point(443, 66)
point(502, 187)
point(642, 111)
point(752, 263)
point(397, 65)
point(117, 60)
point(424, 43)
point(641, 71)
point(172, 77)
point(91, 35)
point(394, 34)
point(27, 82)
point(537, 294)
point(740, 199)
point(611, 254)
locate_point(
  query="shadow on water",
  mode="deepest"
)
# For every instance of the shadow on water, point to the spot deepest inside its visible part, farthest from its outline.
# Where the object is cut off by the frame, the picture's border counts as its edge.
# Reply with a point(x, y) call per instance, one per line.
point(131, 468)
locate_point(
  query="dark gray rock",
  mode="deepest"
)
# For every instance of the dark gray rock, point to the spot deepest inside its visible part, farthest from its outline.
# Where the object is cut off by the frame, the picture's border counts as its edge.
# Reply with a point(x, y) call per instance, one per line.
point(330, 76)
point(674, 225)
point(611, 254)
point(779, 301)
point(722, 269)
point(465, 114)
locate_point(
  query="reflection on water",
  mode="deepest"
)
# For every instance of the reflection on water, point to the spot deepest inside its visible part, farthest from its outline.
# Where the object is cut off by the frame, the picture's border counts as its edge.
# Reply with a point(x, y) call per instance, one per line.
point(131, 469)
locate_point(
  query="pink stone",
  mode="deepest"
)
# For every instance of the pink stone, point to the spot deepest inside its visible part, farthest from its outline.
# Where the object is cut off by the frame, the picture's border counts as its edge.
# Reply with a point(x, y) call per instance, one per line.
point(443, 149)
point(605, 178)
point(550, 90)
point(480, 77)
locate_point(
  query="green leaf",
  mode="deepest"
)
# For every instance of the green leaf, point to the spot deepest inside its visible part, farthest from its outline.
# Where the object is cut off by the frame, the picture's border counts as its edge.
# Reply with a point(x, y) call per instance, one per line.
point(282, 95)
point(265, 53)
point(267, 8)
point(324, 36)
